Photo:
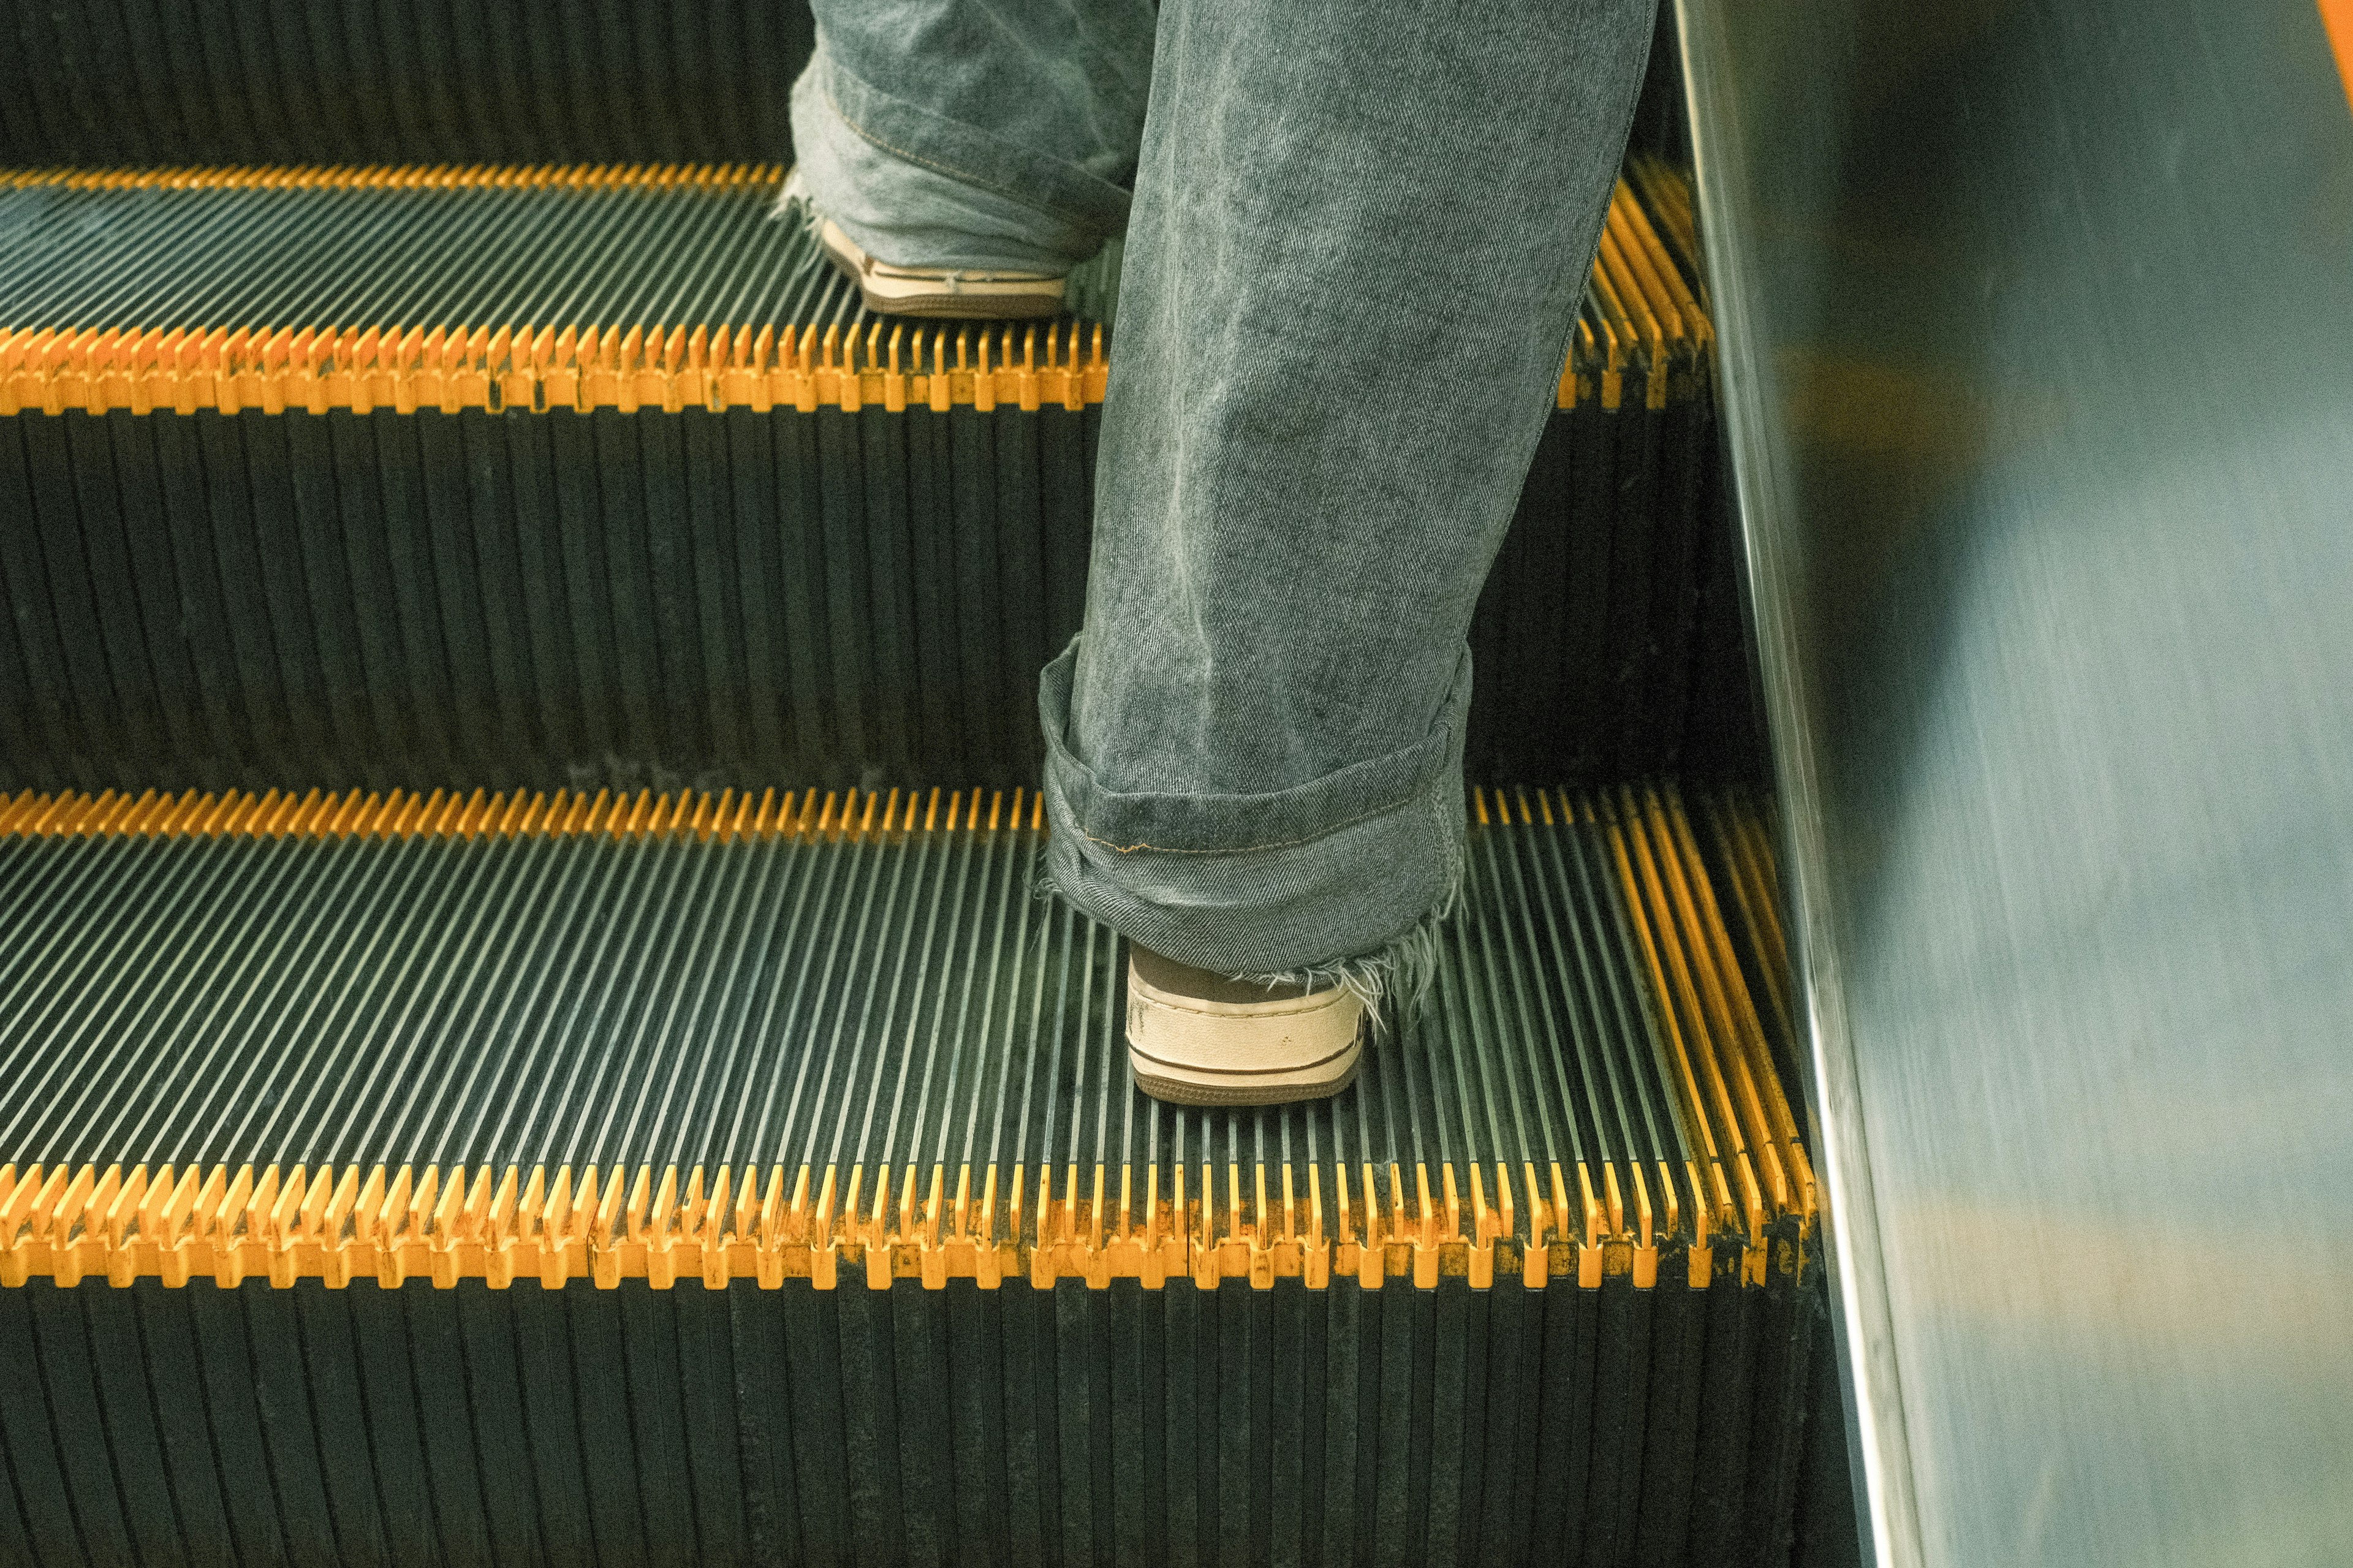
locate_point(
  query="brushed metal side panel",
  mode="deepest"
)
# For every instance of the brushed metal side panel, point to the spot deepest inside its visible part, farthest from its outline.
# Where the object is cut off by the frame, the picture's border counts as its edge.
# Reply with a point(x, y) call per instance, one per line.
point(2037, 333)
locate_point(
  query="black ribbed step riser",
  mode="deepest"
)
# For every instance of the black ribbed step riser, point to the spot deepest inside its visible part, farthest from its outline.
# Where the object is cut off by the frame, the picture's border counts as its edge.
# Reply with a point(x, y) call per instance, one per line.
point(179, 81)
point(1071, 1427)
point(633, 600)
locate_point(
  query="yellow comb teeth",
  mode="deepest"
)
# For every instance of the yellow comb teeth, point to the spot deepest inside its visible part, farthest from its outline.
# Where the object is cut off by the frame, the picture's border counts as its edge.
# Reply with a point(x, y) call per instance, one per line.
point(1250, 1223)
point(524, 366)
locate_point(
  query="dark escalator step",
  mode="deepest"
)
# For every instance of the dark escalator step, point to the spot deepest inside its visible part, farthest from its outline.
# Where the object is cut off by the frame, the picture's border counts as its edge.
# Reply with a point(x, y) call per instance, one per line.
point(564, 477)
point(675, 1158)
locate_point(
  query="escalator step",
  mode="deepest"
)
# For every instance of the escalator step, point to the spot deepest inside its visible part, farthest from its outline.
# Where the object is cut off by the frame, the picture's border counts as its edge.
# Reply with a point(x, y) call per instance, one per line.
point(789, 1030)
point(552, 476)
point(700, 1171)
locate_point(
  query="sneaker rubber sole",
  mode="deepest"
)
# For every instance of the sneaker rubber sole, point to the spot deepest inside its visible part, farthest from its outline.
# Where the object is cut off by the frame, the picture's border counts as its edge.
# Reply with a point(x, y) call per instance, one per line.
point(938, 293)
point(1191, 1050)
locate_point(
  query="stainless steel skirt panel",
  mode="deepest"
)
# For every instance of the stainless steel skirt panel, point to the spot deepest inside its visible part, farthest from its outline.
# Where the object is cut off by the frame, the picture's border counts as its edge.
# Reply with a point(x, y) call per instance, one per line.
point(2037, 327)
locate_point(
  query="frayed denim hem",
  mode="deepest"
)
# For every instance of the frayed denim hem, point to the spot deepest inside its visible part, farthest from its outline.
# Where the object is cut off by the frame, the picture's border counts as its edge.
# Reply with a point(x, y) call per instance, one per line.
point(1390, 980)
point(1356, 903)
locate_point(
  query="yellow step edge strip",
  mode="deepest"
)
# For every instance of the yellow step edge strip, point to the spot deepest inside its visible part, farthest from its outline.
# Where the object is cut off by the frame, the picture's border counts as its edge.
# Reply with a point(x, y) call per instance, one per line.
point(670, 367)
point(674, 366)
point(639, 368)
point(400, 176)
point(451, 814)
point(1212, 1224)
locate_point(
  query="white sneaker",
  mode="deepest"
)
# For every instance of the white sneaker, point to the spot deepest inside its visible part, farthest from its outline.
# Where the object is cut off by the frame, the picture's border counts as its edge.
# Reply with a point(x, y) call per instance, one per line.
point(1194, 1037)
point(938, 292)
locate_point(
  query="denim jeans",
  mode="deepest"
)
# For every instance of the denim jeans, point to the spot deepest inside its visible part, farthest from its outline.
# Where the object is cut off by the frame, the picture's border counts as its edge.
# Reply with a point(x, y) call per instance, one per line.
point(1356, 243)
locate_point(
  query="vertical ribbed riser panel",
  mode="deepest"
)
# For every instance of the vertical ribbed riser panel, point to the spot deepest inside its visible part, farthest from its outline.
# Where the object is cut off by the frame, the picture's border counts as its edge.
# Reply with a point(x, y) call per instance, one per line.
point(181, 81)
point(550, 599)
point(1584, 637)
point(1069, 1426)
point(701, 599)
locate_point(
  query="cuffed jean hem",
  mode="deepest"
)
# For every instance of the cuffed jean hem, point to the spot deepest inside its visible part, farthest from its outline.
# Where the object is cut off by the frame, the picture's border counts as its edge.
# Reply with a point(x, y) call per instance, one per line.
point(915, 189)
point(1304, 880)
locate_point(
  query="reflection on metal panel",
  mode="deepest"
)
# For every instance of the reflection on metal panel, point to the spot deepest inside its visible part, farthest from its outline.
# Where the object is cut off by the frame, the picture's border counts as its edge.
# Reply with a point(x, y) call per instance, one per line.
point(2037, 325)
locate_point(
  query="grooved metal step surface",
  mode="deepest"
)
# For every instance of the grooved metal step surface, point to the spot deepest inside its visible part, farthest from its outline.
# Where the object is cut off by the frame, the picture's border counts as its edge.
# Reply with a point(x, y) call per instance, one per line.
point(734, 1179)
point(609, 1036)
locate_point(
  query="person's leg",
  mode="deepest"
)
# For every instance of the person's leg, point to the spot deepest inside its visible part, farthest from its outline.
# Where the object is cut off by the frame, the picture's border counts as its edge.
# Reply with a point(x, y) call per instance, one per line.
point(1359, 238)
point(982, 134)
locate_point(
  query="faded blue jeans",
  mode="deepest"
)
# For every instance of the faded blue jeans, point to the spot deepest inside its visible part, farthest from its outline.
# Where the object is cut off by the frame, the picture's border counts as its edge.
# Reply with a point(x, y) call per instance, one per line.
point(1355, 244)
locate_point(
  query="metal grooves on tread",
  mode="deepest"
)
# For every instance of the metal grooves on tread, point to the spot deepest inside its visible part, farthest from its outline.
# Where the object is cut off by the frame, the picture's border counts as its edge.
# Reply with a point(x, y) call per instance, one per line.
point(726, 1037)
point(320, 1365)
